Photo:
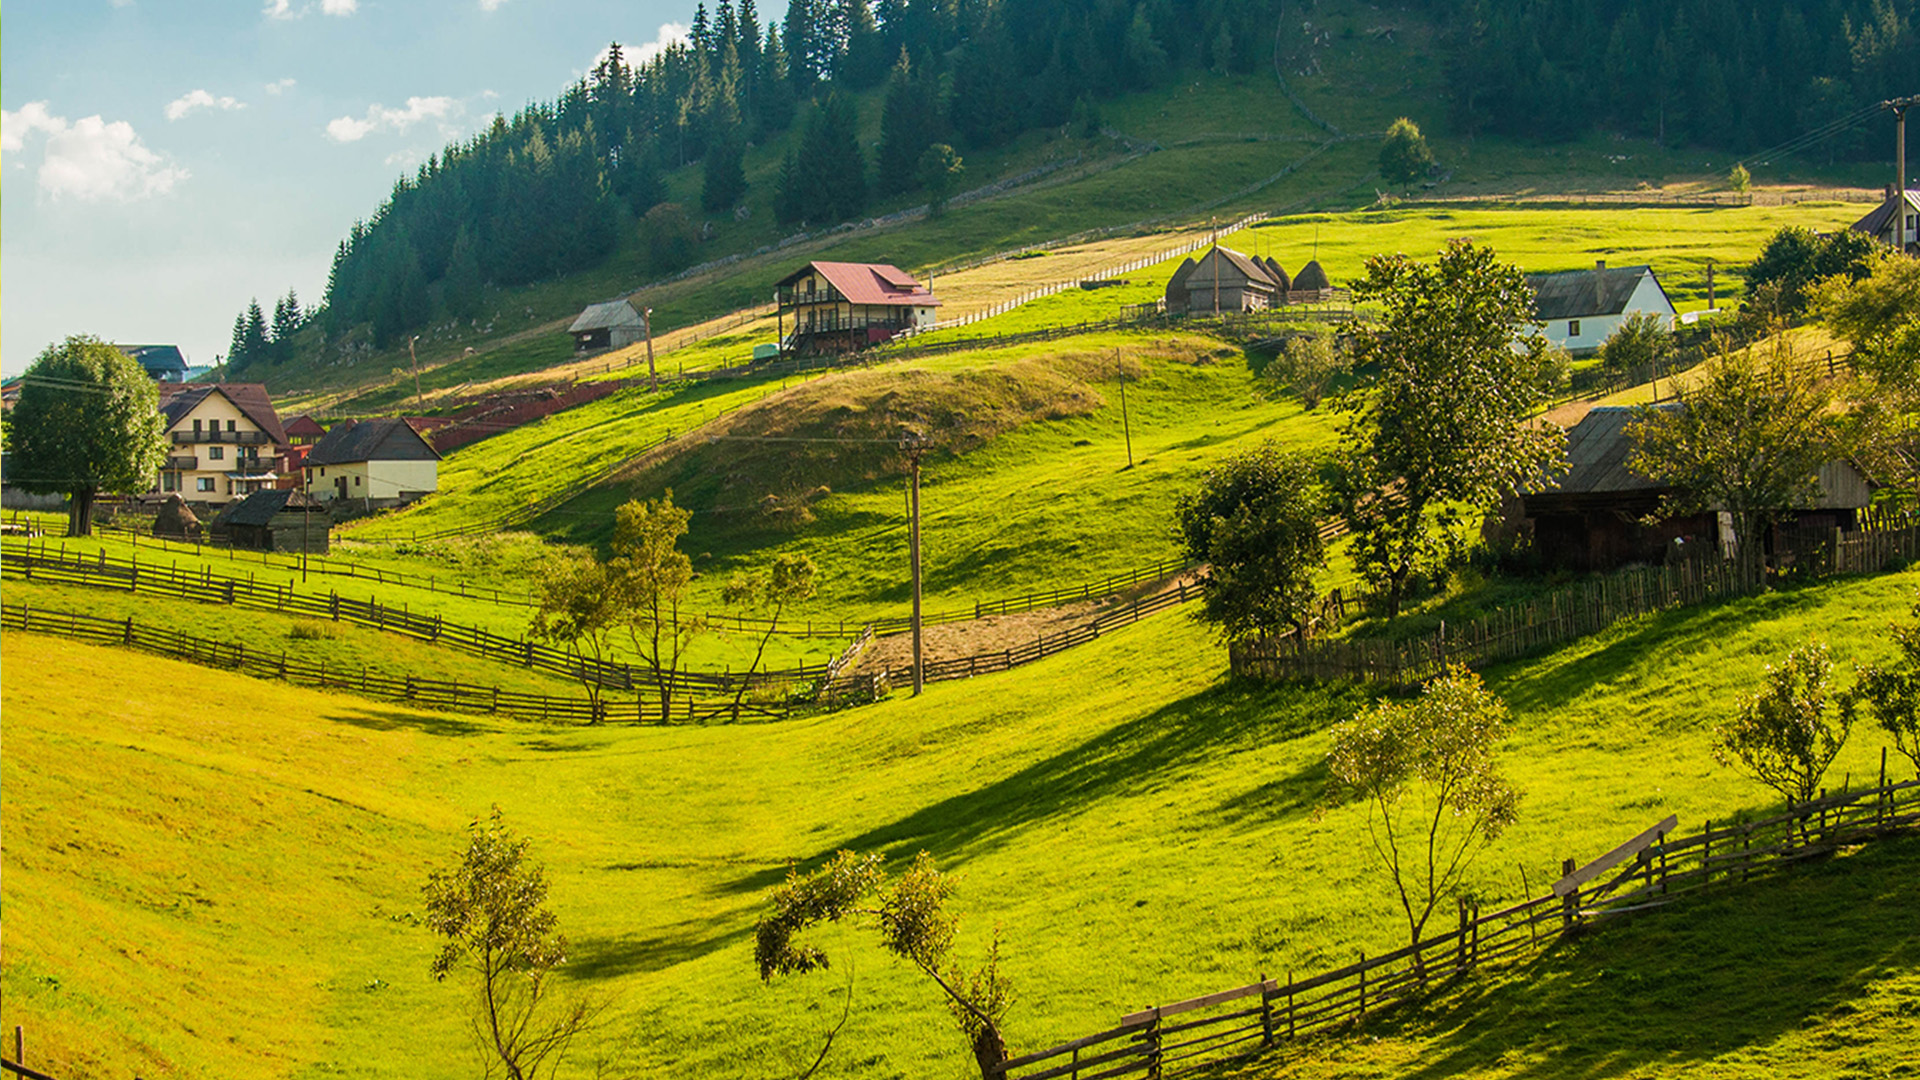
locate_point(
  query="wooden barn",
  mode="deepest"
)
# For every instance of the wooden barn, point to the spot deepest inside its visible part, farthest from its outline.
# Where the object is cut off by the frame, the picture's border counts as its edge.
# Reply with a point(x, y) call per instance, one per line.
point(275, 520)
point(614, 324)
point(1595, 517)
point(1223, 280)
point(844, 307)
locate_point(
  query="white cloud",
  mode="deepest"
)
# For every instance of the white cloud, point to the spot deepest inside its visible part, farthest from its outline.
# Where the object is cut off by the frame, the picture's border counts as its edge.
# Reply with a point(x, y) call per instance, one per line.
point(491, 5)
point(92, 160)
point(279, 86)
point(16, 126)
point(381, 118)
point(284, 9)
point(187, 103)
point(670, 34)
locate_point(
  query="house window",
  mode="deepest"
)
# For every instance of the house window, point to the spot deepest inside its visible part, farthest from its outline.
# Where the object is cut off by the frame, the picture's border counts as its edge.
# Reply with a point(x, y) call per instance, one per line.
point(196, 427)
point(1573, 327)
point(169, 481)
point(356, 481)
point(204, 483)
point(229, 425)
point(216, 453)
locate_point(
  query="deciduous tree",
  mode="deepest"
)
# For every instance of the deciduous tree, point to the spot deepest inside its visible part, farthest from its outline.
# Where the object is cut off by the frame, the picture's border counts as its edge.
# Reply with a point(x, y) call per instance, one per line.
point(1255, 525)
point(87, 422)
point(650, 574)
point(911, 917)
point(1746, 439)
point(1434, 791)
point(491, 910)
point(1879, 316)
point(579, 608)
point(1404, 156)
point(1637, 348)
point(1307, 367)
point(1892, 692)
point(1783, 735)
point(789, 580)
point(1439, 434)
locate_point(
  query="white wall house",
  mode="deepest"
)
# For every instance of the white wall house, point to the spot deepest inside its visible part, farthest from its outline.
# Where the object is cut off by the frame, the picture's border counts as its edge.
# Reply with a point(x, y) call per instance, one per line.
point(383, 459)
point(224, 440)
point(1579, 309)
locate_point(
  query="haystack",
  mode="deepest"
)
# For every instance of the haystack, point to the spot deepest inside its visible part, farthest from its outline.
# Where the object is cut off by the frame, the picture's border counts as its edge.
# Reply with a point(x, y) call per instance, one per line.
point(175, 521)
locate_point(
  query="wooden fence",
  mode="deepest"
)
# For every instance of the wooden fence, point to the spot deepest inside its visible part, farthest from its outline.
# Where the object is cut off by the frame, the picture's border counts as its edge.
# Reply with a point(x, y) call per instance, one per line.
point(1569, 614)
point(1650, 870)
point(268, 663)
point(39, 563)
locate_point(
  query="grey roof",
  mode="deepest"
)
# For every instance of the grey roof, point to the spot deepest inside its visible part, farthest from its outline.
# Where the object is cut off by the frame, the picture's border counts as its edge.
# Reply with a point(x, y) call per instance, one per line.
point(1310, 278)
point(1881, 218)
point(1579, 294)
point(261, 507)
point(606, 316)
point(385, 439)
point(1249, 268)
point(1597, 450)
point(156, 359)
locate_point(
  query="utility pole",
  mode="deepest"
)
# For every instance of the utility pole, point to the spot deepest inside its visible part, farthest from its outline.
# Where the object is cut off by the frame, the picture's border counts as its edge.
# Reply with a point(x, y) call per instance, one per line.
point(1710, 303)
point(779, 327)
point(1899, 107)
point(419, 401)
point(1126, 425)
point(914, 449)
point(646, 329)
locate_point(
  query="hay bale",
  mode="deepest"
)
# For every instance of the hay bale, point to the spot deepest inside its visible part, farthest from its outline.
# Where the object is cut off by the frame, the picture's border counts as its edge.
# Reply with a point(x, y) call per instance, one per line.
point(175, 521)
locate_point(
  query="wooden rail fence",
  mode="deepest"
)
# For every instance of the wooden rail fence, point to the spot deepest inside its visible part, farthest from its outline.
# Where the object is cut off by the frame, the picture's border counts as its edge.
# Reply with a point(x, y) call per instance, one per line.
point(1569, 614)
point(429, 693)
point(1650, 870)
point(38, 563)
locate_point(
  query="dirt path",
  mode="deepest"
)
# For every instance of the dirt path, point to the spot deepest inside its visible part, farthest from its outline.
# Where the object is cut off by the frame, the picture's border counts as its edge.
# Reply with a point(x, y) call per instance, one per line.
point(992, 633)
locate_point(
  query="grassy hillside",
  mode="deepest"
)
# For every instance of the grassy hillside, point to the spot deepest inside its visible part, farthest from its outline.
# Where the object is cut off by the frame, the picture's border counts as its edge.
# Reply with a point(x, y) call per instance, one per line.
point(1139, 829)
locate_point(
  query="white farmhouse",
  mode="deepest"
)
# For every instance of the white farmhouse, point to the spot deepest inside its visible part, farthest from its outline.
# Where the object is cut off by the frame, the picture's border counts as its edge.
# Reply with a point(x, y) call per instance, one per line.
point(382, 460)
point(1579, 309)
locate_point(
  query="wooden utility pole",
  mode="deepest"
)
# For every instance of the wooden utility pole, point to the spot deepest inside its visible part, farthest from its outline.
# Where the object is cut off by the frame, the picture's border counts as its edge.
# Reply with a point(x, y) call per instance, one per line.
point(1710, 303)
point(646, 330)
point(1900, 107)
point(1126, 425)
point(915, 448)
point(419, 401)
point(779, 327)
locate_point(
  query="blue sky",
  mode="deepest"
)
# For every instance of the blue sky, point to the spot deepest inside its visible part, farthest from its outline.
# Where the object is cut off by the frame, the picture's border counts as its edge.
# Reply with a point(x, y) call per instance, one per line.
point(165, 160)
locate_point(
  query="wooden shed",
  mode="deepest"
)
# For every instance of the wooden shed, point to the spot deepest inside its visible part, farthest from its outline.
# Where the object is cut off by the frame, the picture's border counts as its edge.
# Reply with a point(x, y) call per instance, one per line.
point(276, 520)
point(1223, 280)
point(1596, 517)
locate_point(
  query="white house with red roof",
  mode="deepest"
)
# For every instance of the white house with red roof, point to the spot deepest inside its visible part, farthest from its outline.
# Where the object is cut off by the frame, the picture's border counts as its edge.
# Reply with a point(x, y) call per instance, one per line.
point(839, 307)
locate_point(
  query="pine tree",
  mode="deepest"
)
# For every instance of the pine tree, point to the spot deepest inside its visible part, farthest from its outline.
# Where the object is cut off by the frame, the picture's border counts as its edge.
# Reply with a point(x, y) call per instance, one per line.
point(773, 107)
point(862, 64)
point(726, 178)
point(237, 360)
point(798, 37)
point(789, 207)
point(254, 344)
point(909, 123)
point(461, 289)
point(286, 322)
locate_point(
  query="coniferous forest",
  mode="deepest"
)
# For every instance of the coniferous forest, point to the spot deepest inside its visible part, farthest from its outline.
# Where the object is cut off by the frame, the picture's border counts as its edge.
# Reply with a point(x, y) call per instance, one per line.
point(547, 191)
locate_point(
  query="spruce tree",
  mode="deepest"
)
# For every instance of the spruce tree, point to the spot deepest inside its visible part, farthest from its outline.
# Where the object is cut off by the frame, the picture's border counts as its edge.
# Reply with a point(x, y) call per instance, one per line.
point(461, 288)
point(909, 123)
point(726, 177)
point(253, 338)
point(286, 322)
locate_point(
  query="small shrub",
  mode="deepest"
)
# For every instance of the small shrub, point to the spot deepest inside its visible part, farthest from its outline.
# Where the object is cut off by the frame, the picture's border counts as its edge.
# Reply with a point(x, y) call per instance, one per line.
point(1782, 735)
point(312, 631)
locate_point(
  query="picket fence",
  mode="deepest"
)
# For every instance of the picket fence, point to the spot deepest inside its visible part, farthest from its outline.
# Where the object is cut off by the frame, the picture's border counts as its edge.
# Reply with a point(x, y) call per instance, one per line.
point(1650, 870)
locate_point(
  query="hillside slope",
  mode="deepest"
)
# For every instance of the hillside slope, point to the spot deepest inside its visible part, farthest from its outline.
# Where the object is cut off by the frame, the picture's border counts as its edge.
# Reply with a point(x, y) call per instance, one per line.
point(1139, 830)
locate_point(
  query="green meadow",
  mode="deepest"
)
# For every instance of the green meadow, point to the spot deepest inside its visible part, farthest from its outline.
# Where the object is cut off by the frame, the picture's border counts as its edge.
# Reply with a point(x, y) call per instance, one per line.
point(1138, 828)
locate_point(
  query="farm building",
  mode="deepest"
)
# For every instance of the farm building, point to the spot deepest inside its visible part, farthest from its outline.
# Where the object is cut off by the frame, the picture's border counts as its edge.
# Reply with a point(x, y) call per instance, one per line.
point(612, 325)
point(279, 520)
point(840, 307)
point(1222, 280)
point(1879, 224)
point(1595, 516)
point(225, 437)
point(163, 362)
point(385, 461)
point(1579, 309)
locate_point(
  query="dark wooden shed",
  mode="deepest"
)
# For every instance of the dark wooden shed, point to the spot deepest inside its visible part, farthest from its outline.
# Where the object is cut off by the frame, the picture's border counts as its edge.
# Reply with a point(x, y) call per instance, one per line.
point(276, 520)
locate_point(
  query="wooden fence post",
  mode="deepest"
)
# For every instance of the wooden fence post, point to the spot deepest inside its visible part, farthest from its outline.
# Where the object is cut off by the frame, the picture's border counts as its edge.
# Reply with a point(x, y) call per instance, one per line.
point(1570, 904)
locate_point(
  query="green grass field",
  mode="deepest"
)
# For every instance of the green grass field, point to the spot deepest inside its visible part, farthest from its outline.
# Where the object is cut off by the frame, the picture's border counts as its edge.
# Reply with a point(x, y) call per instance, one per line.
point(1140, 831)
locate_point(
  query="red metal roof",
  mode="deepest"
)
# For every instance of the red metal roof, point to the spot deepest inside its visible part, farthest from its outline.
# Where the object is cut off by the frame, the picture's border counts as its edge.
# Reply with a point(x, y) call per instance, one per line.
point(870, 283)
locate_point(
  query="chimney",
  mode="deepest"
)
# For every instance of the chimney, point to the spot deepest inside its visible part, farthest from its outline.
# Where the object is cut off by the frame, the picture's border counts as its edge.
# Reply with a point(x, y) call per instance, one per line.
point(1599, 264)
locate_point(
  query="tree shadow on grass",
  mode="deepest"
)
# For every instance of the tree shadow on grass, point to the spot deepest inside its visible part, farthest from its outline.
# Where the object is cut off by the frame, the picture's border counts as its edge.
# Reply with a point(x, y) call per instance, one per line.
point(1142, 755)
point(1671, 637)
point(1664, 991)
point(614, 956)
point(394, 720)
